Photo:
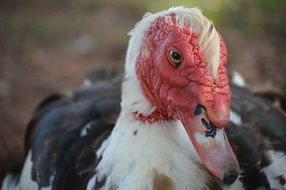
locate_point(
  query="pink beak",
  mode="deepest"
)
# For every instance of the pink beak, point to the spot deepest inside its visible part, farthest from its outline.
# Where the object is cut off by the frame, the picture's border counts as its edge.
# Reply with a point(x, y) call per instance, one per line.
point(211, 145)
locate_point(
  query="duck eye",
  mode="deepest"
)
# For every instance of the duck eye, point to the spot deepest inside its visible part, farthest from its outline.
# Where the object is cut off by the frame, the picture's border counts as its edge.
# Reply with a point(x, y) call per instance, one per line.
point(175, 57)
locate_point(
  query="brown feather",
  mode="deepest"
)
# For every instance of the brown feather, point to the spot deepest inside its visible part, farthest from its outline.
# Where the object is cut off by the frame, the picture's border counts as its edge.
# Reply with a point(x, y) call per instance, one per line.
point(161, 181)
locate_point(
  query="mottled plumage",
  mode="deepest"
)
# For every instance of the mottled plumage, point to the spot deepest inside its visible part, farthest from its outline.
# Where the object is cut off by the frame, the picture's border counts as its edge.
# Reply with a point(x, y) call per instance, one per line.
point(66, 130)
point(70, 128)
point(263, 129)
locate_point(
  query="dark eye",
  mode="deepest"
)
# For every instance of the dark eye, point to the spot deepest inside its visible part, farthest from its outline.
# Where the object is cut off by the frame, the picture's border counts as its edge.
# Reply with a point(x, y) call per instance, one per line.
point(175, 57)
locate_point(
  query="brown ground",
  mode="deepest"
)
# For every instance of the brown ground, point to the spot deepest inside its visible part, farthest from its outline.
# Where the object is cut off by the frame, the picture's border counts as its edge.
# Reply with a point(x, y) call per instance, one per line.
point(47, 46)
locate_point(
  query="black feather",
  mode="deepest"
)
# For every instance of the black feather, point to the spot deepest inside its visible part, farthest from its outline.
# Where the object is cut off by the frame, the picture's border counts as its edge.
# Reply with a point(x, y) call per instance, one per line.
point(263, 128)
point(58, 149)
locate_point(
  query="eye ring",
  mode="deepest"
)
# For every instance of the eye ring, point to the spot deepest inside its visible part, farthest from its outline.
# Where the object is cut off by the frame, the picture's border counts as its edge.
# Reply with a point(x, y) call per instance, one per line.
point(174, 57)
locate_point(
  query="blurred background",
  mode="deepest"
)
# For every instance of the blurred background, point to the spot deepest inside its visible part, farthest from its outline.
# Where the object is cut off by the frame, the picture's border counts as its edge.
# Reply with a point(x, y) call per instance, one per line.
point(47, 46)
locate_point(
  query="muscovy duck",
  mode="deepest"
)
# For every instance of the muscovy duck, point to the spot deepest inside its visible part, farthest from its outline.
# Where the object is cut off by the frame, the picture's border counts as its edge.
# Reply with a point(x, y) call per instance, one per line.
point(168, 126)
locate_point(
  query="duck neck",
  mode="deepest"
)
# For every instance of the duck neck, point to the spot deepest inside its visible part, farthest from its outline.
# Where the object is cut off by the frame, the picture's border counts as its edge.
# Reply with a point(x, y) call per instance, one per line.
point(148, 151)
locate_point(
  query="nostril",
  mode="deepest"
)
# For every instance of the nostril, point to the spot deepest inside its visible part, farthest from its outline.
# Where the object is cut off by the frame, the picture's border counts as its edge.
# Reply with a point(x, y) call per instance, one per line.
point(198, 109)
point(230, 177)
point(206, 124)
point(210, 128)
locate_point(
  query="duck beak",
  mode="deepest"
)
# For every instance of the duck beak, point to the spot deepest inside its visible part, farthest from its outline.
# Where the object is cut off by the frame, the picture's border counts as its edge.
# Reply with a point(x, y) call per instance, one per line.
point(212, 145)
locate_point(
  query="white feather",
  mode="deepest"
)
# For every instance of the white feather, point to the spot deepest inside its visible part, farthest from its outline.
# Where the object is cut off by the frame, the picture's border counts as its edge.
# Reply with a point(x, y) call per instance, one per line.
point(129, 160)
point(26, 176)
point(238, 79)
point(235, 118)
point(91, 183)
point(9, 183)
point(87, 82)
point(275, 169)
point(26, 182)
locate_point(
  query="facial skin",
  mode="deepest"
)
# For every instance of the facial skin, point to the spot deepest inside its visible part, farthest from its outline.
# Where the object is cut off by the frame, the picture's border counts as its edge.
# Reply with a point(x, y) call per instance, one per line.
point(174, 77)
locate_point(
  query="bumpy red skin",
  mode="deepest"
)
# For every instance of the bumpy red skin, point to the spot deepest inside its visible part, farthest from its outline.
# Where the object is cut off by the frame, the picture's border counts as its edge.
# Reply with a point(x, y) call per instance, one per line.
point(171, 89)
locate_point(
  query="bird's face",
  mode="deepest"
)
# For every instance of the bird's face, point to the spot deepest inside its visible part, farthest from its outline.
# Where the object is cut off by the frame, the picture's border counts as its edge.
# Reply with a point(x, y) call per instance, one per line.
point(173, 74)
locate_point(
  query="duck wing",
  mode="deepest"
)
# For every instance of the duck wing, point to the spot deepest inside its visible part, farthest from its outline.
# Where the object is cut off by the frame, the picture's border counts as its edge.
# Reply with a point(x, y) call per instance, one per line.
point(65, 131)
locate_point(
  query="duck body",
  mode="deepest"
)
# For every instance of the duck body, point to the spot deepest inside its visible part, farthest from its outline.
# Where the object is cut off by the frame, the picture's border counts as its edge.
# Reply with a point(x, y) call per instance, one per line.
point(79, 148)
